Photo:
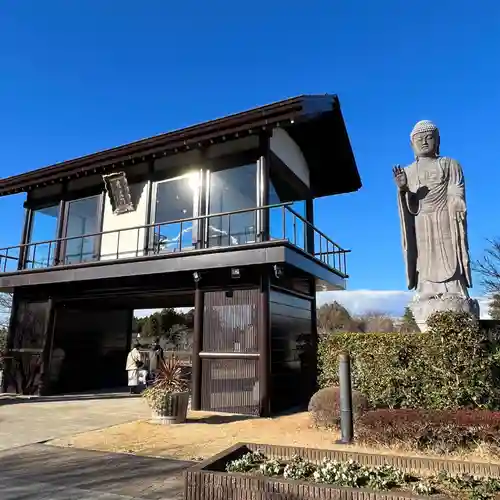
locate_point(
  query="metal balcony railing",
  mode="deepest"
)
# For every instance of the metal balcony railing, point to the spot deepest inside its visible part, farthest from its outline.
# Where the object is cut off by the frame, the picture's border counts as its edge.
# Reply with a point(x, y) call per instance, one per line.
point(221, 230)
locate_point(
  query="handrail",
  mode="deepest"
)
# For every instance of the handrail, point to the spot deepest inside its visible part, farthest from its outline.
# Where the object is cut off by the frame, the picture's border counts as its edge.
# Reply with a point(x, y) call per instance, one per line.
point(334, 258)
point(312, 226)
point(147, 226)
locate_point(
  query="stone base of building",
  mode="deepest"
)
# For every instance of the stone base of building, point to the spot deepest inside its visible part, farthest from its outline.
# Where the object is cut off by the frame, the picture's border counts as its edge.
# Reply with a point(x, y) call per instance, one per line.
point(423, 308)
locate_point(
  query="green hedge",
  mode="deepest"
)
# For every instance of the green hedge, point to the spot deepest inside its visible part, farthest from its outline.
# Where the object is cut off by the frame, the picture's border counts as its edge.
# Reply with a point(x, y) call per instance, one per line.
point(453, 365)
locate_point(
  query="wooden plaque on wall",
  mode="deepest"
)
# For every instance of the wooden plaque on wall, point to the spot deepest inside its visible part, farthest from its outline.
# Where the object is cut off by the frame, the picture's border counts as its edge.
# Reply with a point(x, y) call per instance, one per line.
point(119, 193)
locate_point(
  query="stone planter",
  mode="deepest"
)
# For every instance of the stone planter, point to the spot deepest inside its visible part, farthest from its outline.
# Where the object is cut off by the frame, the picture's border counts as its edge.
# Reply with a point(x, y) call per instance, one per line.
point(173, 409)
point(209, 480)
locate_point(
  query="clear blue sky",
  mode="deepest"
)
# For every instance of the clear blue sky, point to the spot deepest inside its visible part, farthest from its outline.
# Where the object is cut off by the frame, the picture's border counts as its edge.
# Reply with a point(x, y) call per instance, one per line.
point(83, 75)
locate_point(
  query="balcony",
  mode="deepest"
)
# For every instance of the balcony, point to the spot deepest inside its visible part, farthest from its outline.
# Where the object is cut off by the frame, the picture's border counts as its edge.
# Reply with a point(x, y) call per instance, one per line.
point(208, 233)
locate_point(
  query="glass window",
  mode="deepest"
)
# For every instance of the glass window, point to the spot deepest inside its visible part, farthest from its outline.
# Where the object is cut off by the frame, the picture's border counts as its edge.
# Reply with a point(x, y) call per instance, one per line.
point(284, 224)
point(175, 200)
point(43, 228)
point(83, 217)
point(231, 190)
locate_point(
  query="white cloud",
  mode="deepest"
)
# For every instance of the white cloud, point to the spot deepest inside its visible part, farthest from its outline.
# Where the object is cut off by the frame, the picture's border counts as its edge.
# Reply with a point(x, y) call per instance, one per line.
point(391, 302)
point(356, 302)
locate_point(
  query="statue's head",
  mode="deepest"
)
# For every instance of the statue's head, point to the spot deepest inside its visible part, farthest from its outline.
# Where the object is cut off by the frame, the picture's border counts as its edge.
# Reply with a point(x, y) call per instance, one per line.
point(425, 139)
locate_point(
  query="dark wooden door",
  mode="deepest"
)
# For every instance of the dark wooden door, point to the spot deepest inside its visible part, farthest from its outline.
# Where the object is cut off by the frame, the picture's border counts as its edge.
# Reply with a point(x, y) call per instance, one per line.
point(230, 352)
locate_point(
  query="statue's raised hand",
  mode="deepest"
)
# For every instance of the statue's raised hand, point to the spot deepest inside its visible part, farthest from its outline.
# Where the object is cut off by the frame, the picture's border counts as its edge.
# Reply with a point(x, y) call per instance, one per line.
point(400, 178)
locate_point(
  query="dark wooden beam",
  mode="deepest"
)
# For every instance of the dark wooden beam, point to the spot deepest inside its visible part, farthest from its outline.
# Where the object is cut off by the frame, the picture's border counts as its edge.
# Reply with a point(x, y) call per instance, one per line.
point(310, 230)
point(23, 253)
point(264, 343)
point(202, 208)
point(61, 224)
point(197, 348)
point(47, 347)
point(149, 205)
point(100, 224)
point(263, 180)
point(314, 335)
point(130, 331)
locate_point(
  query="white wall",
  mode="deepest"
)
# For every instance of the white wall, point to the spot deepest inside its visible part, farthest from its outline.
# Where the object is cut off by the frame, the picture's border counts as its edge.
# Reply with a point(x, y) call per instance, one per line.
point(287, 150)
point(127, 244)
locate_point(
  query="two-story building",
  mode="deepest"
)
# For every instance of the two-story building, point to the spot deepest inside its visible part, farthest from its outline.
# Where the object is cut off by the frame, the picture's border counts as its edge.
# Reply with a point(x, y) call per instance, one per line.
point(217, 216)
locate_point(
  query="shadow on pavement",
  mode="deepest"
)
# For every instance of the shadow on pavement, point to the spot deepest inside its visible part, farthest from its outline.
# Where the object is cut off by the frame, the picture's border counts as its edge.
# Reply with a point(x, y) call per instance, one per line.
point(8, 399)
point(111, 473)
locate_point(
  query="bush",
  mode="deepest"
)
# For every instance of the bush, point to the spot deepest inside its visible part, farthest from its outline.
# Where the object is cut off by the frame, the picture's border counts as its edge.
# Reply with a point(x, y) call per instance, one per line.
point(453, 365)
point(426, 430)
point(325, 406)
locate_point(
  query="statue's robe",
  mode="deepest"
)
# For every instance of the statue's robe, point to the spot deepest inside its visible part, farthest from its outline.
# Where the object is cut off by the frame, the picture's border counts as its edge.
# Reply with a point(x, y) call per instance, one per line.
point(433, 227)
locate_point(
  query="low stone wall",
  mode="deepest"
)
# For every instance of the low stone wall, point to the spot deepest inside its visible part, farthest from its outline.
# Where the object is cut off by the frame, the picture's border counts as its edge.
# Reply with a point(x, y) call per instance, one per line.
point(208, 480)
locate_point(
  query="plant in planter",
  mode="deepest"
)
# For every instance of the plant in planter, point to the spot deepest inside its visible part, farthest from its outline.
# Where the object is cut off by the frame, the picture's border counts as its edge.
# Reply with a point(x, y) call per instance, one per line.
point(168, 396)
point(373, 479)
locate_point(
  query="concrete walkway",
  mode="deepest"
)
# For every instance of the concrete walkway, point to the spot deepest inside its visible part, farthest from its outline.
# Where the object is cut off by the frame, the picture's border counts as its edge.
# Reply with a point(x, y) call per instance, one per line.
point(43, 472)
point(27, 421)
point(32, 470)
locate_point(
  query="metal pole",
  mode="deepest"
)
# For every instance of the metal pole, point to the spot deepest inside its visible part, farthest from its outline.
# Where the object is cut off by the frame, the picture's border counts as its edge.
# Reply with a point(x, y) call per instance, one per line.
point(196, 375)
point(346, 417)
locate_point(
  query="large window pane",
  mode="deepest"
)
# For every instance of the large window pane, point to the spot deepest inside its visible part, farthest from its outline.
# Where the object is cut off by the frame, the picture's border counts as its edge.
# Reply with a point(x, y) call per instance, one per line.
point(284, 224)
point(43, 228)
point(83, 218)
point(175, 200)
point(231, 190)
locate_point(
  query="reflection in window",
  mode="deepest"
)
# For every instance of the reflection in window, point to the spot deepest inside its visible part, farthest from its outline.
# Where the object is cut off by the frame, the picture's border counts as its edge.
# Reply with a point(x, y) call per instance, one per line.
point(43, 229)
point(175, 200)
point(29, 330)
point(231, 190)
point(283, 223)
point(83, 217)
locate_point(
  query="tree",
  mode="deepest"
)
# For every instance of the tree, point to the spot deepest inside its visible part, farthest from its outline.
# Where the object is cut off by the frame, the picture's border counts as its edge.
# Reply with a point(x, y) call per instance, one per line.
point(169, 318)
point(5, 308)
point(335, 317)
point(3, 341)
point(189, 318)
point(408, 323)
point(162, 323)
point(494, 309)
point(375, 322)
point(151, 328)
point(179, 337)
point(488, 268)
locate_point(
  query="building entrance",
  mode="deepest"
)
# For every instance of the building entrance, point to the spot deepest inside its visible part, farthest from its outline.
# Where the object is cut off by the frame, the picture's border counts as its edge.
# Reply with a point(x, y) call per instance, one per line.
point(80, 345)
point(88, 350)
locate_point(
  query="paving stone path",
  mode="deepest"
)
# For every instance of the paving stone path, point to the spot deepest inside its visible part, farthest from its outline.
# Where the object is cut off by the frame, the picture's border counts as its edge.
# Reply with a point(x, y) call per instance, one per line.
point(30, 469)
point(45, 472)
point(27, 421)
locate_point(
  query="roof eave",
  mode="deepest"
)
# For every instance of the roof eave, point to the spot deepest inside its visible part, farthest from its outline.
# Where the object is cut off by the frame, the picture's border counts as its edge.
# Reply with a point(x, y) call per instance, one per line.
point(300, 109)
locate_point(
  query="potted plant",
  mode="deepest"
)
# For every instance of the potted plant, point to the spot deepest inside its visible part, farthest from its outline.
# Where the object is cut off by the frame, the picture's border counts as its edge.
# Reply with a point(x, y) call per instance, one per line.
point(168, 396)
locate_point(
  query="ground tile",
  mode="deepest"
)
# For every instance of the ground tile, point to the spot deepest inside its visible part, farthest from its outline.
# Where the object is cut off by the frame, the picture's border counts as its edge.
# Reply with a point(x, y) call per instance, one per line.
point(59, 473)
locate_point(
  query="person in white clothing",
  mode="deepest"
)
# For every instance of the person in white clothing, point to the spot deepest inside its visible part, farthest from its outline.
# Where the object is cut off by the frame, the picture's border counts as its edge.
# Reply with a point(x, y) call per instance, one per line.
point(134, 368)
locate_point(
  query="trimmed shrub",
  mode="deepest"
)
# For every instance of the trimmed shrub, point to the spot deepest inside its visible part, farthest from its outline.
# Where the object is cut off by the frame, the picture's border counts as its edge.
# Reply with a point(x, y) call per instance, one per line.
point(430, 430)
point(325, 406)
point(453, 365)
